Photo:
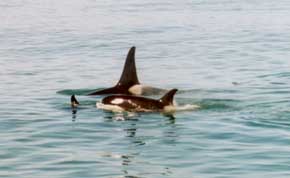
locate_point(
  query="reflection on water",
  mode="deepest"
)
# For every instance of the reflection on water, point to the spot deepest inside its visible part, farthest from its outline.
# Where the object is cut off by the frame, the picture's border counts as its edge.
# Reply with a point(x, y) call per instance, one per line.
point(133, 127)
point(131, 132)
point(74, 113)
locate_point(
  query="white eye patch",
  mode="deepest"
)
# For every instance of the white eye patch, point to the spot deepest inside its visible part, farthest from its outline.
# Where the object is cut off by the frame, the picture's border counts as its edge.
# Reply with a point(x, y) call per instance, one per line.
point(117, 101)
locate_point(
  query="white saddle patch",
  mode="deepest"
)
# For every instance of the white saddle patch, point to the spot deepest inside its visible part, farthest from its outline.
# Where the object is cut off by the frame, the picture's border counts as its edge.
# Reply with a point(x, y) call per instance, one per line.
point(136, 89)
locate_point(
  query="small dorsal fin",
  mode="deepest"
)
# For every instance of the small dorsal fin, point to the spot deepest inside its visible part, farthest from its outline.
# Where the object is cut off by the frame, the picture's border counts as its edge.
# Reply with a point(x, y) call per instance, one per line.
point(74, 101)
point(129, 74)
point(167, 99)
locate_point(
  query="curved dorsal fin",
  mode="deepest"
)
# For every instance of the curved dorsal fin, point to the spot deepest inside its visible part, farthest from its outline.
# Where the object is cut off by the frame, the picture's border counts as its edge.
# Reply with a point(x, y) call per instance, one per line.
point(129, 74)
point(167, 99)
point(127, 79)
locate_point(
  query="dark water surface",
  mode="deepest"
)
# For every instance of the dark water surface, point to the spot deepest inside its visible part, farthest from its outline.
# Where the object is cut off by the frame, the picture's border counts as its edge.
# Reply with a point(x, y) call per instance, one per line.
point(229, 57)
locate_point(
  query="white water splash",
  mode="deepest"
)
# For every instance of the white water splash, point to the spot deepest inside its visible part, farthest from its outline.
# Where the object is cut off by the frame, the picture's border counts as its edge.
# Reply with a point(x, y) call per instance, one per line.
point(178, 108)
point(187, 107)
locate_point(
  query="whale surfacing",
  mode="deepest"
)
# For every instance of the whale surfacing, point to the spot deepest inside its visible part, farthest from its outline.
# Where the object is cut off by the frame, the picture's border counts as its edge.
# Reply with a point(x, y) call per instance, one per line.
point(137, 103)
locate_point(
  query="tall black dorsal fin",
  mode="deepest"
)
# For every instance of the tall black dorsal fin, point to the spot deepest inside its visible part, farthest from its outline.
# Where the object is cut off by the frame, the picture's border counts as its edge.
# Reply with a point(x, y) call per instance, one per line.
point(129, 75)
point(127, 79)
point(167, 99)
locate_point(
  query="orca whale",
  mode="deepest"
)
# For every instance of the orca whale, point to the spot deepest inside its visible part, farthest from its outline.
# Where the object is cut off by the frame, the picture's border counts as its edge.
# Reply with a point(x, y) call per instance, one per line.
point(128, 83)
point(74, 102)
point(138, 103)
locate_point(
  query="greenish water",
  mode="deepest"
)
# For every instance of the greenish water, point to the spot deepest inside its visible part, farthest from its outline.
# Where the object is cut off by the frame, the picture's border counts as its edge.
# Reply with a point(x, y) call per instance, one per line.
point(229, 57)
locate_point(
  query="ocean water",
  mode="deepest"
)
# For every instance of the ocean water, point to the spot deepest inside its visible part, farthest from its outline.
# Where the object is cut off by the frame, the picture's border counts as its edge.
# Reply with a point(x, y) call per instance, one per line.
point(229, 57)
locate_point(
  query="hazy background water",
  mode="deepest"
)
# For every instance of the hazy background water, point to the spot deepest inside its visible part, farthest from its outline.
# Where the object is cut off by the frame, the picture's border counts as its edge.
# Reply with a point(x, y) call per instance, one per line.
point(230, 57)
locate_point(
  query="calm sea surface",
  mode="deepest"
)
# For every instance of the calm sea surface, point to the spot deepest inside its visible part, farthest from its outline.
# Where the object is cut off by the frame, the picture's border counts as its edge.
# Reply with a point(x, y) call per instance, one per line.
point(230, 57)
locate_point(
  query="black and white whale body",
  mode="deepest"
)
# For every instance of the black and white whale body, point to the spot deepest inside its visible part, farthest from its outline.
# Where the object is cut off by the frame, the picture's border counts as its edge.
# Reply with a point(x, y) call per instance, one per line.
point(74, 102)
point(137, 103)
point(129, 83)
